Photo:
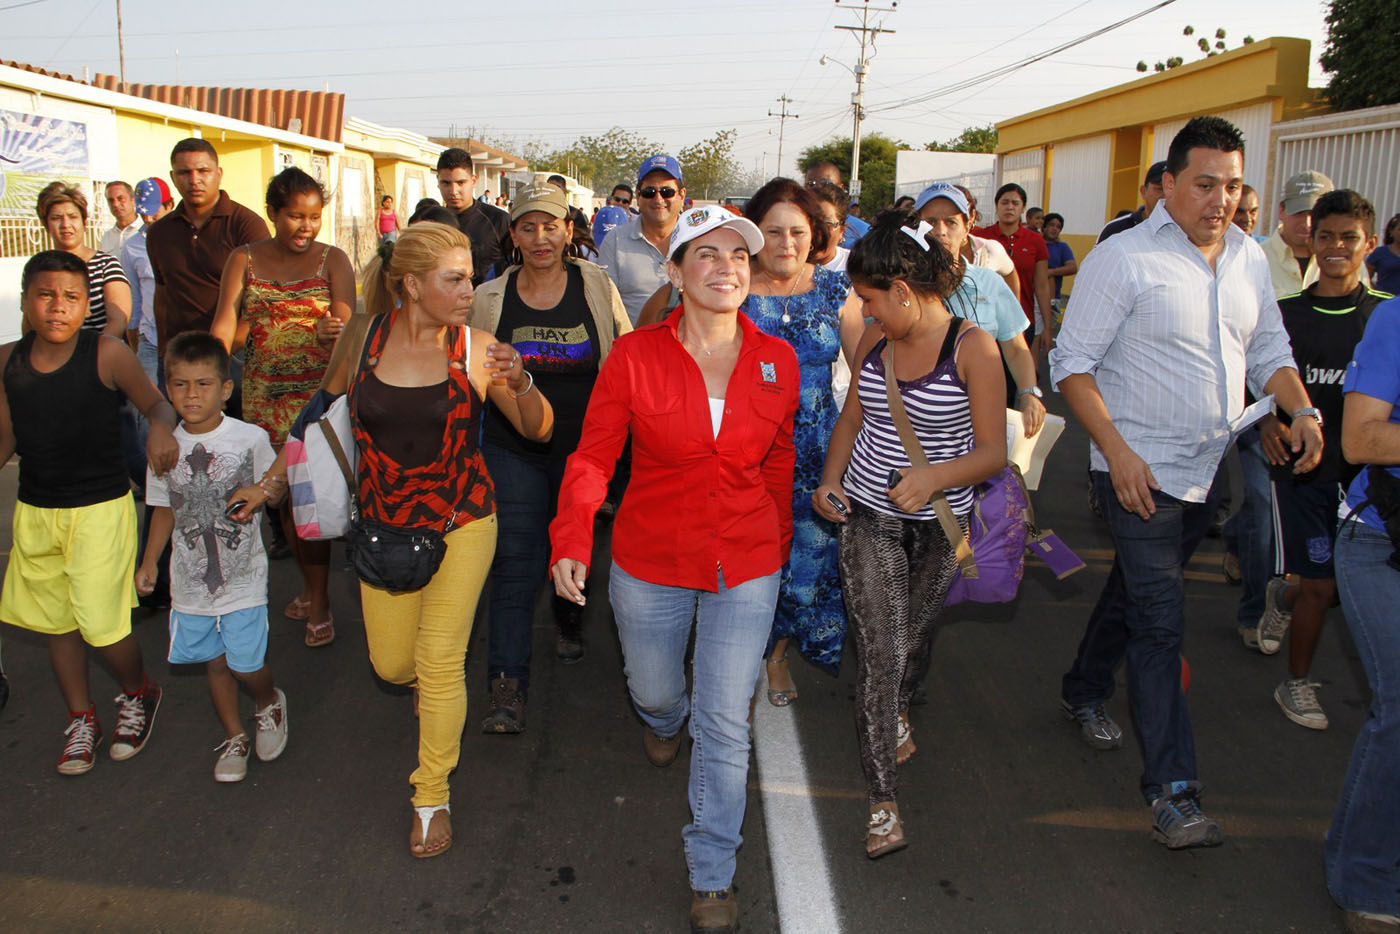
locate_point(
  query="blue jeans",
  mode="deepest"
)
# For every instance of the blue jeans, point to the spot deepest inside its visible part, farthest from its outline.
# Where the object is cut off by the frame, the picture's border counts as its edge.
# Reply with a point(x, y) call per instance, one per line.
point(1363, 843)
point(1141, 615)
point(527, 489)
point(1249, 535)
point(731, 633)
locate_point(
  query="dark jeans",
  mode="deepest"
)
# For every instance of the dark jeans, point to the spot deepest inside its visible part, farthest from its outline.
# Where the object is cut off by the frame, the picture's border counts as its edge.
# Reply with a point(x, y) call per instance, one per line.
point(1141, 615)
point(1249, 535)
point(527, 492)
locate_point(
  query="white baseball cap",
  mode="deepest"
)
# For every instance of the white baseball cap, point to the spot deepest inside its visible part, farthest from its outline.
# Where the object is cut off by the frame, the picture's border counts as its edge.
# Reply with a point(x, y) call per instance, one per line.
point(699, 221)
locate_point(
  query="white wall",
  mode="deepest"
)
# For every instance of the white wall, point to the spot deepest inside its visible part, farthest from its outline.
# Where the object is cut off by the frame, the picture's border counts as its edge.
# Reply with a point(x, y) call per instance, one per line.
point(1079, 173)
point(1254, 122)
point(1027, 169)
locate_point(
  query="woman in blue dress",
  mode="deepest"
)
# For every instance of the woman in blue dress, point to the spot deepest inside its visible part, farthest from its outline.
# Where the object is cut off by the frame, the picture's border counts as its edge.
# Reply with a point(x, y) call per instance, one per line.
point(814, 310)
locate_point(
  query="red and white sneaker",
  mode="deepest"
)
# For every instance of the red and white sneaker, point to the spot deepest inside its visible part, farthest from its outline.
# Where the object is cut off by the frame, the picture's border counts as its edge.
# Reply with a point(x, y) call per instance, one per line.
point(82, 738)
point(136, 717)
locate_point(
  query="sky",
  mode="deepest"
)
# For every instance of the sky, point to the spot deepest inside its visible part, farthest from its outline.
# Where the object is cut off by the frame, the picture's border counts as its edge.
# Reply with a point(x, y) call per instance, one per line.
point(674, 75)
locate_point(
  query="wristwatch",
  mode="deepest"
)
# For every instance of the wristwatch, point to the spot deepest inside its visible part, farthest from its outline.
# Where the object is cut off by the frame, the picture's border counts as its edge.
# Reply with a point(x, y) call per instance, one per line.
point(1033, 390)
point(1309, 411)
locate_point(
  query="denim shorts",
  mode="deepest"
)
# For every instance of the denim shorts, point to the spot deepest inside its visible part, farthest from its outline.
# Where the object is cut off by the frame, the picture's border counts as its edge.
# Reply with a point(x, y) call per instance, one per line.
point(240, 636)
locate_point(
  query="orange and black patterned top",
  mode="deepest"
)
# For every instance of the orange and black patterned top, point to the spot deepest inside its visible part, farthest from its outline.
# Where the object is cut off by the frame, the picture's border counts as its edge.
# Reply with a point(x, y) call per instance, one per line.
point(284, 362)
point(420, 466)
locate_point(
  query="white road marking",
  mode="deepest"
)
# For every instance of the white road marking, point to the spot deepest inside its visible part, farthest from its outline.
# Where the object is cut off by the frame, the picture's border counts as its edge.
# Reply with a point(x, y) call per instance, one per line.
point(800, 878)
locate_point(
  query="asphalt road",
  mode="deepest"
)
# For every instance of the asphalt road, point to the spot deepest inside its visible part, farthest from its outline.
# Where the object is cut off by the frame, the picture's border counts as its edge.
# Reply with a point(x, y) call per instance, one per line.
point(1014, 824)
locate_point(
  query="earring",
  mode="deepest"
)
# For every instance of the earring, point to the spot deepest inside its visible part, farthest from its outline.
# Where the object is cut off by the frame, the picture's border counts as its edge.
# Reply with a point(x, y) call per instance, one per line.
point(905, 303)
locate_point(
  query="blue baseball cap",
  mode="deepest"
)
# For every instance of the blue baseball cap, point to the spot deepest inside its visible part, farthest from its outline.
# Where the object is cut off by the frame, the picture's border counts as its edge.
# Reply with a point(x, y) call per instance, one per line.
point(943, 190)
point(151, 194)
point(661, 162)
point(606, 219)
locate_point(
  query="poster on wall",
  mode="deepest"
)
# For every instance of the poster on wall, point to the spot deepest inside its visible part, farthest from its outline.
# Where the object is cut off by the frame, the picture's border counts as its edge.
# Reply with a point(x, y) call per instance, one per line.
point(34, 151)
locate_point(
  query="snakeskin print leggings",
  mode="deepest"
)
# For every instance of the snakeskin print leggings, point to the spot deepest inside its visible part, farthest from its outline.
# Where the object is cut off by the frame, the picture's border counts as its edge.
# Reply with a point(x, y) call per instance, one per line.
point(894, 574)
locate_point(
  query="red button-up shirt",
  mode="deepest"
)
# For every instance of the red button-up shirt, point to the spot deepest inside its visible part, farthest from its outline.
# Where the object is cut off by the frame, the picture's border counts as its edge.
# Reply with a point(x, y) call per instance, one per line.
point(1026, 248)
point(696, 504)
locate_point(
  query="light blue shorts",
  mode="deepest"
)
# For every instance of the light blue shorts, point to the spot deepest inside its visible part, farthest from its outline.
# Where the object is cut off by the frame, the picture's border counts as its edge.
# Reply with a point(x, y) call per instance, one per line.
point(240, 636)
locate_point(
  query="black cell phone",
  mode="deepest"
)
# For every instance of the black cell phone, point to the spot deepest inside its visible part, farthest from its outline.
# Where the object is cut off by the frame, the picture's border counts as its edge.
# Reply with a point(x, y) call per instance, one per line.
point(836, 503)
point(894, 478)
point(231, 510)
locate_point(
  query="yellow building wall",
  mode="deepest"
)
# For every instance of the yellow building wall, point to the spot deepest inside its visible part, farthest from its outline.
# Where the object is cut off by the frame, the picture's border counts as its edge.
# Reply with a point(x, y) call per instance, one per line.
point(1271, 68)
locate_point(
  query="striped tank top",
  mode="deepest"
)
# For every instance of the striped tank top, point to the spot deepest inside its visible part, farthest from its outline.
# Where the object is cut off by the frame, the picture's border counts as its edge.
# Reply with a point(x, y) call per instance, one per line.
point(937, 406)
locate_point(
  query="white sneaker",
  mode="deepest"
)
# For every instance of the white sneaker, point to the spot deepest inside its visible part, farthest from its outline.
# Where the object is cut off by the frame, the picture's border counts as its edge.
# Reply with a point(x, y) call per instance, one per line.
point(1273, 625)
point(232, 764)
point(272, 729)
point(1297, 698)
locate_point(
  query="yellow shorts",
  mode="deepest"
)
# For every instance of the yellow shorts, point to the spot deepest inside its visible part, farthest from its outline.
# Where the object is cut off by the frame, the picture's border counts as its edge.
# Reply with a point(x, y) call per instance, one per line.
point(73, 569)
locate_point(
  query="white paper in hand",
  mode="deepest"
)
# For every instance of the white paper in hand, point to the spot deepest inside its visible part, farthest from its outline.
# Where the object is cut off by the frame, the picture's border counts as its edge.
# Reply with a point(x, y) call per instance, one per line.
point(1029, 453)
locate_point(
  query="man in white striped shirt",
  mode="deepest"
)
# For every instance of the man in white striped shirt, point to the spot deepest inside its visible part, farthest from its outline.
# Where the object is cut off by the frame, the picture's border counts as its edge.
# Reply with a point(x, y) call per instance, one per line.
point(1168, 322)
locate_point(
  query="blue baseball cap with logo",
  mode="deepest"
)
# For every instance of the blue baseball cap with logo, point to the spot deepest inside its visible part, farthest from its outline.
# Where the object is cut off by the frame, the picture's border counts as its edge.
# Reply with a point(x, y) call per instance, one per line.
point(943, 190)
point(660, 162)
point(606, 219)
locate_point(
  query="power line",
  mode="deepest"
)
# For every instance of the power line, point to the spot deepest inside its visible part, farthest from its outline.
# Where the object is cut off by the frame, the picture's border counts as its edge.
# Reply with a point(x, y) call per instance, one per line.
point(1015, 66)
point(783, 117)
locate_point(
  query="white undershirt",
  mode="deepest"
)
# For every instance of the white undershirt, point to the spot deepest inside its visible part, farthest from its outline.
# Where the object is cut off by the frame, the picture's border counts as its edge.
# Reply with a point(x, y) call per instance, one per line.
point(716, 414)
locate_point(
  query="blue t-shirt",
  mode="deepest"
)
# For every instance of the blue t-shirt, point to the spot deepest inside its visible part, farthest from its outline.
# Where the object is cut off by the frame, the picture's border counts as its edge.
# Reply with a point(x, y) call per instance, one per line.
point(855, 229)
point(984, 299)
point(1060, 253)
point(1387, 278)
point(1375, 372)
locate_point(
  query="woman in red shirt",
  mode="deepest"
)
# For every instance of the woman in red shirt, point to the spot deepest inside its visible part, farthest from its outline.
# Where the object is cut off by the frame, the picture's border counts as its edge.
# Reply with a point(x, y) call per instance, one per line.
point(703, 529)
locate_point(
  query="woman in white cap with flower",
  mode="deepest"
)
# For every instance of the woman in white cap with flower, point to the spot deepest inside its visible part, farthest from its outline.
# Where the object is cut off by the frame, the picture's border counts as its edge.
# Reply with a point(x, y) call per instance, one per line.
point(702, 531)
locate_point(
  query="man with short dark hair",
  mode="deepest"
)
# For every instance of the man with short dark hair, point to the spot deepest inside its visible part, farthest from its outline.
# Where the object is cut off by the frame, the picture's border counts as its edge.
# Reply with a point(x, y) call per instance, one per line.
point(121, 202)
point(1151, 192)
point(1172, 319)
point(635, 254)
point(622, 197)
point(487, 227)
point(189, 246)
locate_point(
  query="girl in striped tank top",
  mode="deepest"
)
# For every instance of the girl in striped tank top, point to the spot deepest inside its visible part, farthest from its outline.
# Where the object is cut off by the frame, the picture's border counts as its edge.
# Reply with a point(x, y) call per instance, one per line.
point(896, 562)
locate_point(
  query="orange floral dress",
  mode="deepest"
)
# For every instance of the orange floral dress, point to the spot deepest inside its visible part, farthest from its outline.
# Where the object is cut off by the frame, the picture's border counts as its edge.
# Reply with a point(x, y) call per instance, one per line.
point(283, 363)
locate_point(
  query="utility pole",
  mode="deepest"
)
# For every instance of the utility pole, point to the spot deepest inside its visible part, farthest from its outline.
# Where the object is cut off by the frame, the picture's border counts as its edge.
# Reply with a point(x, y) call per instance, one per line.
point(867, 39)
point(783, 116)
point(121, 51)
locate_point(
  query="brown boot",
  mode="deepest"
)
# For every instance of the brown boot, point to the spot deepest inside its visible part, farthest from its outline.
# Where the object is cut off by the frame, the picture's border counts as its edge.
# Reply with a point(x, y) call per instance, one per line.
point(506, 713)
point(660, 752)
point(713, 911)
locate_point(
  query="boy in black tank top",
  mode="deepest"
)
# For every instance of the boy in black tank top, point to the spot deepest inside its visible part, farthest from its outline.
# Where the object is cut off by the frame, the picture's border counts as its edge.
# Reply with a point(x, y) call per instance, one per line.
point(70, 570)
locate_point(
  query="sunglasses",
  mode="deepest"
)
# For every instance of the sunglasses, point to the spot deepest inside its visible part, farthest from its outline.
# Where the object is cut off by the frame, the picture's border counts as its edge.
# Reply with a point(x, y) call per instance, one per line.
point(651, 191)
point(617, 200)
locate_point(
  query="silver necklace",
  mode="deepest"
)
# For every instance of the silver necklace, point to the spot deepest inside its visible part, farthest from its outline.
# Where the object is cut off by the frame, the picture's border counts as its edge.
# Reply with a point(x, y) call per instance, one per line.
point(787, 318)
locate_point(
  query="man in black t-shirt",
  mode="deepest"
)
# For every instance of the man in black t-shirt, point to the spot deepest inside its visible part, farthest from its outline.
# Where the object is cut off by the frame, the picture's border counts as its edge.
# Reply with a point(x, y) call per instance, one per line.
point(1325, 322)
point(488, 228)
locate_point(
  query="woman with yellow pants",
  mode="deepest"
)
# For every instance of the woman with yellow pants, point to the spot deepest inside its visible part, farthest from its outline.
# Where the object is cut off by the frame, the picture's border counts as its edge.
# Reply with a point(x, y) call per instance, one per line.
point(417, 388)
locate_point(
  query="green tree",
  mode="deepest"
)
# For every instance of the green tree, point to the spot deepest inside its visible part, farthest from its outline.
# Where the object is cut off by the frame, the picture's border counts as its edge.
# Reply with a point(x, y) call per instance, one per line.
point(599, 161)
point(710, 168)
point(972, 139)
point(1207, 47)
point(877, 153)
point(1360, 53)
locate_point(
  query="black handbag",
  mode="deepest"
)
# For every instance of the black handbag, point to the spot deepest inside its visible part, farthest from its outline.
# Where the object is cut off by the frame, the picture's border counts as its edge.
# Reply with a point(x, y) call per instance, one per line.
point(398, 560)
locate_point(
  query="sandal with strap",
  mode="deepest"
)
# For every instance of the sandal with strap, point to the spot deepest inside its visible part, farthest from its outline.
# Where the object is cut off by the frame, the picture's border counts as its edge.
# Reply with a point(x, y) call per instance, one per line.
point(886, 831)
point(425, 817)
point(298, 609)
point(319, 634)
point(904, 748)
point(779, 698)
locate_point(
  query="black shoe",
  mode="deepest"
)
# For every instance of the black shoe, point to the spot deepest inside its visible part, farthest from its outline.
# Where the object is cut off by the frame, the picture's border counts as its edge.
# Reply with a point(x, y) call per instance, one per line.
point(506, 713)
